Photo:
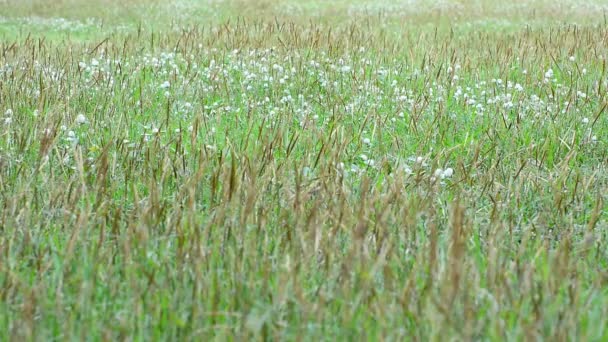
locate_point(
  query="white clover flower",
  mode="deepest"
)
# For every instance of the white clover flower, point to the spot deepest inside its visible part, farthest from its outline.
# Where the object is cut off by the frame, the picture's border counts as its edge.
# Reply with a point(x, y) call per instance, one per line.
point(549, 74)
point(572, 58)
point(8, 112)
point(367, 141)
point(81, 119)
point(585, 120)
point(71, 137)
point(364, 157)
point(447, 173)
point(8, 120)
point(442, 174)
point(165, 85)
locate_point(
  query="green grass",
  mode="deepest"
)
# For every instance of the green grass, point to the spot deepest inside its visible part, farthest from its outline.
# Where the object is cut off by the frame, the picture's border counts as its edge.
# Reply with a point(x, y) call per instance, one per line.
point(281, 170)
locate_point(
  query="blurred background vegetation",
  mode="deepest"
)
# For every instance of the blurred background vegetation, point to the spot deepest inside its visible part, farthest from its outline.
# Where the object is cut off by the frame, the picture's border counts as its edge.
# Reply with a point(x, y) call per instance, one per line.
point(86, 19)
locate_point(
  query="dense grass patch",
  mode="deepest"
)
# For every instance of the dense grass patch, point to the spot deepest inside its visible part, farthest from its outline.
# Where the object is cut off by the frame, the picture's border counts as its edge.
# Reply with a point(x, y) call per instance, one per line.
point(274, 173)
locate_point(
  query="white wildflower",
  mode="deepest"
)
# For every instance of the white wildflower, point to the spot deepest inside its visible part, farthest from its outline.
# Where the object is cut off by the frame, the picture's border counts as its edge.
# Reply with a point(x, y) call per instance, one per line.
point(441, 173)
point(447, 173)
point(81, 119)
point(71, 137)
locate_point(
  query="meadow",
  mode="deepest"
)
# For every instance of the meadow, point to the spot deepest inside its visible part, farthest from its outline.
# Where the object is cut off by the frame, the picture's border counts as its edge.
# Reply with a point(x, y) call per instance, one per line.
point(303, 170)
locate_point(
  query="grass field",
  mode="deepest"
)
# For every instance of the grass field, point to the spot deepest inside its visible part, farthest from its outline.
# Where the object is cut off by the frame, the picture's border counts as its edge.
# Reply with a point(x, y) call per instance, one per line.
point(303, 170)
